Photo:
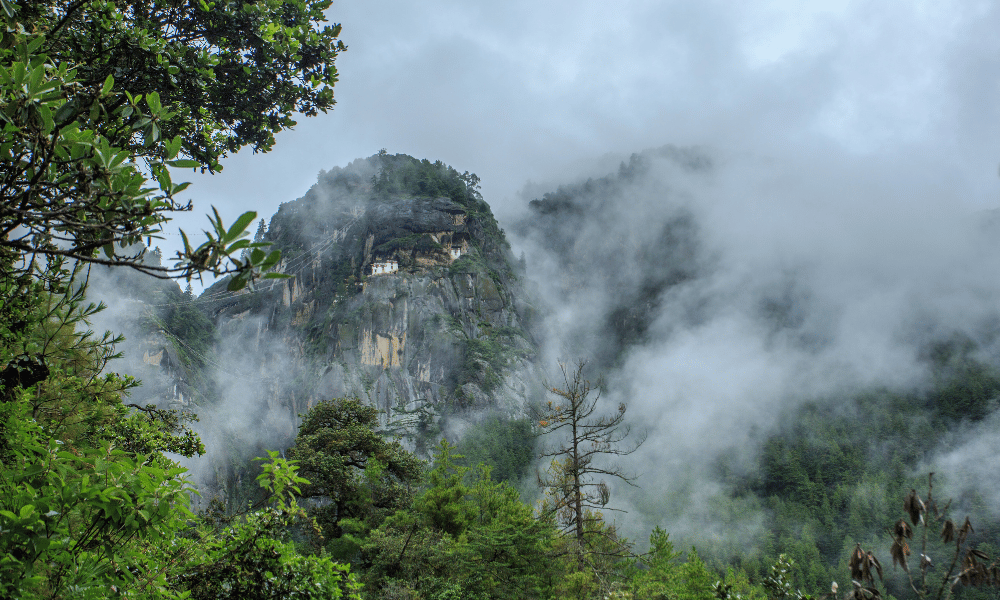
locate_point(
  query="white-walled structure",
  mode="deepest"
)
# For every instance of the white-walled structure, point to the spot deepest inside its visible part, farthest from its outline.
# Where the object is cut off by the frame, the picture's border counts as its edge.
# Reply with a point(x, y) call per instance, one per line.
point(385, 267)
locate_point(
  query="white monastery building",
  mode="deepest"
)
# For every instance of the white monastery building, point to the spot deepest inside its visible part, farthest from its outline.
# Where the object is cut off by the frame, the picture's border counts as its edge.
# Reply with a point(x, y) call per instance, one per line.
point(385, 267)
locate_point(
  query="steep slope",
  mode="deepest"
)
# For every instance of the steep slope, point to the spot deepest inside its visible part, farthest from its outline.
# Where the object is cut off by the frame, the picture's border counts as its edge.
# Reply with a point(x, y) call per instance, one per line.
point(597, 236)
point(401, 291)
point(795, 385)
point(167, 341)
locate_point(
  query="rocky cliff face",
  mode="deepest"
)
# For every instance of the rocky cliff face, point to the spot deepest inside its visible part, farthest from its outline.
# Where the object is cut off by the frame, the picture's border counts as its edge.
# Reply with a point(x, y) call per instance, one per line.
point(401, 291)
point(167, 341)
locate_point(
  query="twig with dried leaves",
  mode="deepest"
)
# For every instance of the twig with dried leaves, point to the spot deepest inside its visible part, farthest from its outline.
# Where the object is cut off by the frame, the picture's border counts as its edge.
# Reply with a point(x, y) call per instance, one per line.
point(974, 566)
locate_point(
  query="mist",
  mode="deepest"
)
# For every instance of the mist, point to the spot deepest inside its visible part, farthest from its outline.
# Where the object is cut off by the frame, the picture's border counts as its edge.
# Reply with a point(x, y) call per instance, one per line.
point(238, 378)
point(824, 214)
point(717, 292)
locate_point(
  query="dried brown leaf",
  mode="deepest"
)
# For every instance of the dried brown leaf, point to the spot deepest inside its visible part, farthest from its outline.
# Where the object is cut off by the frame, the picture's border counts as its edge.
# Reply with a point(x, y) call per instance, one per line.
point(980, 575)
point(878, 566)
point(914, 506)
point(902, 529)
point(967, 526)
point(857, 557)
point(861, 592)
point(948, 531)
point(899, 551)
point(965, 531)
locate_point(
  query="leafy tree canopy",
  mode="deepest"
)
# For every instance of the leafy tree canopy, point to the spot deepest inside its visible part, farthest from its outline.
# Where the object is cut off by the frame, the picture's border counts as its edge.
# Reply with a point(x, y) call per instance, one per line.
point(98, 99)
point(336, 447)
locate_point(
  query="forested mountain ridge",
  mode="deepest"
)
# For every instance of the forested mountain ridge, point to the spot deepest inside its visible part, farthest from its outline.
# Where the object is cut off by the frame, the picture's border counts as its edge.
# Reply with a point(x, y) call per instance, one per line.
point(379, 307)
point(787, 419)
point(402, 292)
point(643, 260)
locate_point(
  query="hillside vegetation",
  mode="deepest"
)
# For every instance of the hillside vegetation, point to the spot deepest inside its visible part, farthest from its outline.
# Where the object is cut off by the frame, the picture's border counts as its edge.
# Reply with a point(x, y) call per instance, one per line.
point(358, 409)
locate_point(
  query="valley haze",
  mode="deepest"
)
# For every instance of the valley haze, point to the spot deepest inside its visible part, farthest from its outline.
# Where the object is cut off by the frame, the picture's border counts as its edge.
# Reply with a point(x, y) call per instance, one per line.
point(842, 219)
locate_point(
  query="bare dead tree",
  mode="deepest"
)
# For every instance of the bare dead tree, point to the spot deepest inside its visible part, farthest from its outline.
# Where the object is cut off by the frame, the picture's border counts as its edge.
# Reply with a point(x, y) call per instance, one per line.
point(575, 487)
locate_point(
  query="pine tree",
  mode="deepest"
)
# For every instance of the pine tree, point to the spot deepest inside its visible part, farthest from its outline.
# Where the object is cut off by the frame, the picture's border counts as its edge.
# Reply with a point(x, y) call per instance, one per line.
point(575, 493)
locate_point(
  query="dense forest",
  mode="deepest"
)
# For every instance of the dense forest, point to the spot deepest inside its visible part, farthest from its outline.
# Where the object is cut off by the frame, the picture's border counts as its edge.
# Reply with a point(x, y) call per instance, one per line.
point(459, 497)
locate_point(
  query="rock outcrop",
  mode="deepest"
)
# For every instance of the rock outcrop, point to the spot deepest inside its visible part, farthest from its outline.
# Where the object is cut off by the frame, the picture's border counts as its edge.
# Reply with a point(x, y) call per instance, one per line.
point(400, 290)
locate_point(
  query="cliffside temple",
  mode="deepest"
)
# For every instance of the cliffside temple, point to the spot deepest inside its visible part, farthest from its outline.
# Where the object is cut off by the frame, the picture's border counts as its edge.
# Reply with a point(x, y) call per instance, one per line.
point(404, 297)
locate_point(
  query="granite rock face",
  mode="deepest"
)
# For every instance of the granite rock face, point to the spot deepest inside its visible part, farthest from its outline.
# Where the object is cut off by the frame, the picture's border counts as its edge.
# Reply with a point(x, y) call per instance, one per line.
point(408, 301)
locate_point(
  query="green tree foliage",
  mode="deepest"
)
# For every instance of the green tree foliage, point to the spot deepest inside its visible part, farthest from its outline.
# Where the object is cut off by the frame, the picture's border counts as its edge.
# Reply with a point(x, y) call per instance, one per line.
point(511, 545)
point(668, 574)
point(461, 540)
point(82, 479)
point(336, 447)
point(444, 503)
point(100, 99)
point(946, 556)
point(84, 513)
point(70, 521)
point(55, 367)
point(402, 174)
point(830, 476)
point(506, 445)
point(253, 557)
point(966, 389)
point(90, 504)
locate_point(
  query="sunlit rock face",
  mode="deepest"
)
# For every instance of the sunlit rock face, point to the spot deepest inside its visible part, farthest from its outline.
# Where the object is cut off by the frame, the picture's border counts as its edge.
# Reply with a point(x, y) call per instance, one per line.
point(406, 299)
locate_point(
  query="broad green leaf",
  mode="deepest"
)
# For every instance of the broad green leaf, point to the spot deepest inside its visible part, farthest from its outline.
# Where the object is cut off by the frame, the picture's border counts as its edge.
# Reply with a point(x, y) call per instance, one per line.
point(184, 163)
point(238, 245)
point(153, 102)
point(8, 8)
point(236, 284)
point(35, 44)
point(35, 80)
point(48, 123)
point(108, 84)
point(163, 178)
point(240, 225)
point(272, 258)
point(64, 113)
point(172, 147)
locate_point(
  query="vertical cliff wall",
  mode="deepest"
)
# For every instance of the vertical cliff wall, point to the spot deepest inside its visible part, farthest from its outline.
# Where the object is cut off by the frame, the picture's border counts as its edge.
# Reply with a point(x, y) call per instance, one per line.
point(401, 291)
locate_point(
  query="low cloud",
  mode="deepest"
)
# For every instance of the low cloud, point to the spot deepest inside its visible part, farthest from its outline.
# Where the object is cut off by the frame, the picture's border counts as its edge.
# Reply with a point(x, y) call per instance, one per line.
point(720, 297)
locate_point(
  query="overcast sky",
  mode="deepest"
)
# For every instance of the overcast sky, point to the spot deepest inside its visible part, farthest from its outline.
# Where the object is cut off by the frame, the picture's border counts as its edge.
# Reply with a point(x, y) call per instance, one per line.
point(873, 123)
point(541, 91)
